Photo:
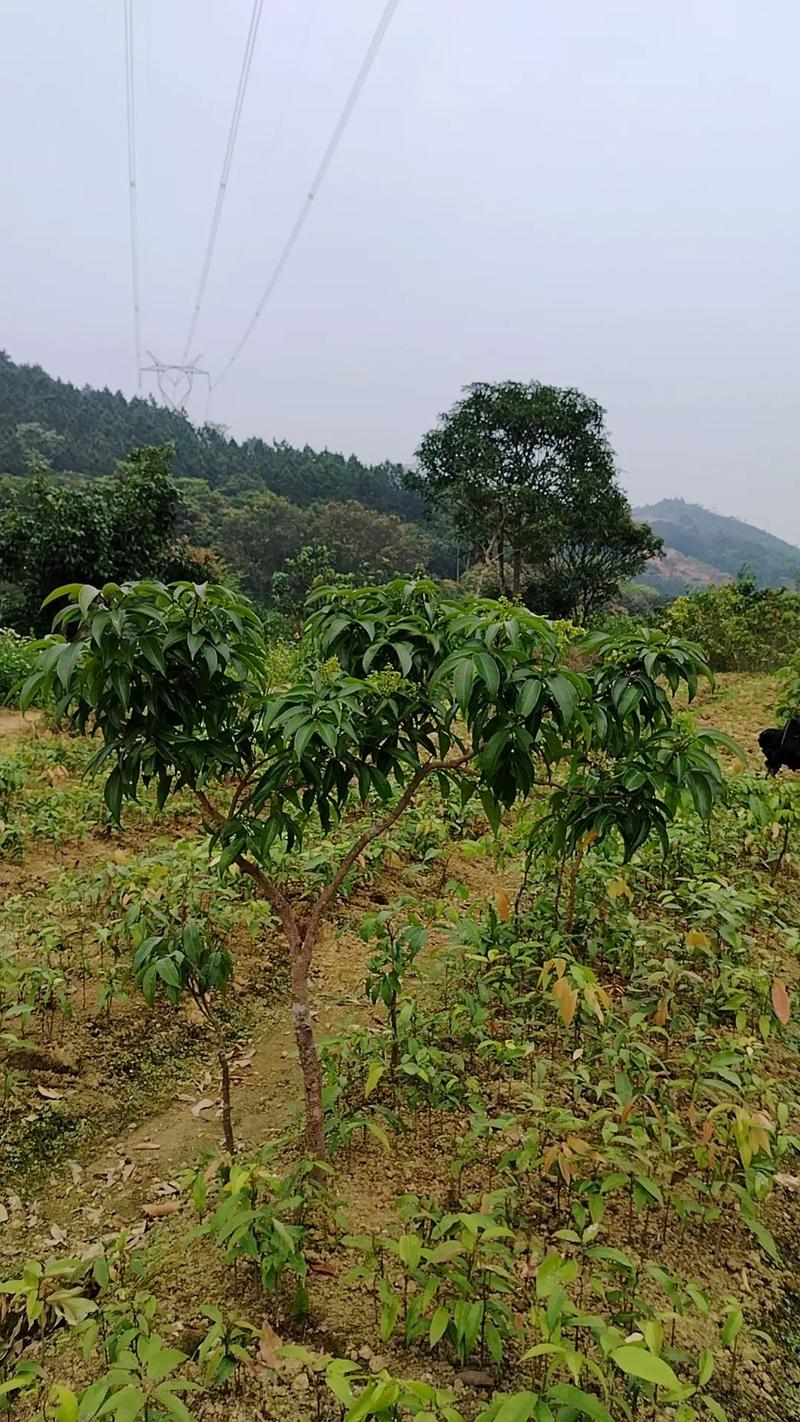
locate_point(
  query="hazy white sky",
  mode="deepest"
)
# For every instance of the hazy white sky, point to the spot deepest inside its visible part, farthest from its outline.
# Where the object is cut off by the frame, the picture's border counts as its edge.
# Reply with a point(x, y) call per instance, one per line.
point(600, 193)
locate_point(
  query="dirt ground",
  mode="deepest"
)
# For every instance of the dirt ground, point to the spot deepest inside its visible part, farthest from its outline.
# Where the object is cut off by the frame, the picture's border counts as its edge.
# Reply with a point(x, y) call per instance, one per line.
point(130, 1176)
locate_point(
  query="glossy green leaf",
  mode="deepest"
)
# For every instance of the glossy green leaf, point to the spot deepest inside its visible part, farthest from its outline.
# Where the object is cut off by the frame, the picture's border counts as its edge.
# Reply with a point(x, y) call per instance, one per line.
point(639, 1363)
point(584, 1403)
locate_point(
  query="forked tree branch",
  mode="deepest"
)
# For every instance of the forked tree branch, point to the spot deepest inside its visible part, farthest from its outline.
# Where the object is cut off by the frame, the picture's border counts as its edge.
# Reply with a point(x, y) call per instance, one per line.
point(374, 832)
point(305, 938)
point(269, 889)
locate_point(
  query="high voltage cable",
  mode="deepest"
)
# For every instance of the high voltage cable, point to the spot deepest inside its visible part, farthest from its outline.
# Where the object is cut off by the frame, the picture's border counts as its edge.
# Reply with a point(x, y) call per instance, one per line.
point(327, 158)
point(127, 14)
point(238, 105)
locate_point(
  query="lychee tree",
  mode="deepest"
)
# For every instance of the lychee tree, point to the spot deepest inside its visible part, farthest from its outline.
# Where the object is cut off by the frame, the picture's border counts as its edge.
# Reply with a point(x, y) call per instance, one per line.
point(402, 685)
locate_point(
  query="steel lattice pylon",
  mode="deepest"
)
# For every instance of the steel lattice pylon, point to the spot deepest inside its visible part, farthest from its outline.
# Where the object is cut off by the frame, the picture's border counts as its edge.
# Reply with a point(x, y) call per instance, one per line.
point(175, 381)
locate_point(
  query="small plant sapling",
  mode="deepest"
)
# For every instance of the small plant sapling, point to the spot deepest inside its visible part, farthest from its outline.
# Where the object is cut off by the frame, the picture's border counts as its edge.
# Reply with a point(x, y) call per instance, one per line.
point(224, 1347)
point(260, 1217)
point(187, 959)
point(142, 1384)
point(47, 1294)
point(397, 945)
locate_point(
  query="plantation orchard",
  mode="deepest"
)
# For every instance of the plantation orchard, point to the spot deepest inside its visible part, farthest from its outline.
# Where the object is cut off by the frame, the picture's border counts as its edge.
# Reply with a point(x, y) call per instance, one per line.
point(397, 1023)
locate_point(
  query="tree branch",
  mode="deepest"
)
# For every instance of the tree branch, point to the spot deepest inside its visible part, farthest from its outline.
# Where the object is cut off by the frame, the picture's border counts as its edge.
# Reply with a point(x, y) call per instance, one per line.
point(374, 832)
point(269, 889)
point(275, 897)
point(211, 810)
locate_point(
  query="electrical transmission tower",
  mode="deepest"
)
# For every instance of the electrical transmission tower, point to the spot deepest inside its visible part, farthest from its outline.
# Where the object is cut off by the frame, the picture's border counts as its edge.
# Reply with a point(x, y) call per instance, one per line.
point(175, 381)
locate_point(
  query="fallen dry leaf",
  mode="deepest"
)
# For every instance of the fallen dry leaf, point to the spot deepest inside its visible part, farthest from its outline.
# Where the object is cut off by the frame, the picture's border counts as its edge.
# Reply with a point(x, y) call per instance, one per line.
point(789, 1182)
point(161, 1209)
point(3, 1214)
point(203, 1105)
point(269, 1345)
point(57, 1234)
point(49, 1094)
point(661, 1013)
point(147, 1145)
point(780, 1002)
point(212, 1170)
point(318, 1266)
point(76, 1171)
point(475, 1377)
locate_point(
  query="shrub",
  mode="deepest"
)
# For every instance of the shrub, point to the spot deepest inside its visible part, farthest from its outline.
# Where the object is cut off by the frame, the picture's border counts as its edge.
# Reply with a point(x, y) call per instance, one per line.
point(17, 659)
point(739, 627)
point(789, 701)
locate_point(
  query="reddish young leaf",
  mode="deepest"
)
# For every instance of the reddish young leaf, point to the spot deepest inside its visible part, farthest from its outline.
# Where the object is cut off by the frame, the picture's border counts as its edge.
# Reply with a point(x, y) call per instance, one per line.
point(503, 905)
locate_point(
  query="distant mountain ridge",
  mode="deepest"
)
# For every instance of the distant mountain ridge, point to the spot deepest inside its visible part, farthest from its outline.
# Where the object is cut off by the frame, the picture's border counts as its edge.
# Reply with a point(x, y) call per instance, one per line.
point(702, 547)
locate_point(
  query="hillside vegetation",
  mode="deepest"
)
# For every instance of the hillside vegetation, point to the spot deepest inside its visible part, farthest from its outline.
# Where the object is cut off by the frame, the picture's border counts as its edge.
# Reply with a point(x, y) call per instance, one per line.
point(713, 547)
point(260, 503)
point(95, 428)
point(262, 509)
point(517, 484)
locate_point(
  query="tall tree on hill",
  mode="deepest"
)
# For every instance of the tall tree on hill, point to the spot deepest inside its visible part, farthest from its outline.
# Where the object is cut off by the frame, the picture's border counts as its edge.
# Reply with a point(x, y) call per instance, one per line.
point(257, 537)
point(362, 540)
point(526, 473)
point(594, 546)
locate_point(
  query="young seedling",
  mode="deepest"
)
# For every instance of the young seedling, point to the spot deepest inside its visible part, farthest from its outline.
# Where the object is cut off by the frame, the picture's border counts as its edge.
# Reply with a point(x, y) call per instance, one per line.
point(182, 959)
point(397, 945)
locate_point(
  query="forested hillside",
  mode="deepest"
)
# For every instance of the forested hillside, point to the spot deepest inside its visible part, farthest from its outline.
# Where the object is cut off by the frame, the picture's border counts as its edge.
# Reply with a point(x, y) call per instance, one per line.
point(720, 543)
point(265, 509)
point(270, 509)
point(95, 428)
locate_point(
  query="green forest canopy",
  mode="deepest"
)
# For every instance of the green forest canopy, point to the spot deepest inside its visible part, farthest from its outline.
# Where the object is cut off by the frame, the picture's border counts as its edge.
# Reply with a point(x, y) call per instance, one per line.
point(96, 428)
point(271, 510)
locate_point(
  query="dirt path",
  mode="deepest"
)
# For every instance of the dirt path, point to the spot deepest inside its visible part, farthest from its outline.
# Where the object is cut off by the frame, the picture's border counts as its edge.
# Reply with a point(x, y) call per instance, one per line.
point(267, 1086)
point(13, 723)
point(131, 1170)
point(110, 1187)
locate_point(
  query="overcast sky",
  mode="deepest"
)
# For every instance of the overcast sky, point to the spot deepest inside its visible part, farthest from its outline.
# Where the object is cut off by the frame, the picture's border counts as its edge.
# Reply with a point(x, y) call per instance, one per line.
point(600, 193)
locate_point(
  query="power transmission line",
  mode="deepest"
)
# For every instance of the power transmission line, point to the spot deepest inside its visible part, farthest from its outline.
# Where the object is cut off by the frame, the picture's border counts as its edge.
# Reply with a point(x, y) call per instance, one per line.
point(238, 105)
point(127, 13)
point(327, 158)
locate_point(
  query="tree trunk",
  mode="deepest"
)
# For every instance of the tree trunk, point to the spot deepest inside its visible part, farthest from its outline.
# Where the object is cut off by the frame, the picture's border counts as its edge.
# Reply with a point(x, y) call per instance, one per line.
point(301, 943)
point(307, 1051)
point(394, 1058)
point(517, 573)
point(573, 887)
point(227, 1118)
point(501, 564)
